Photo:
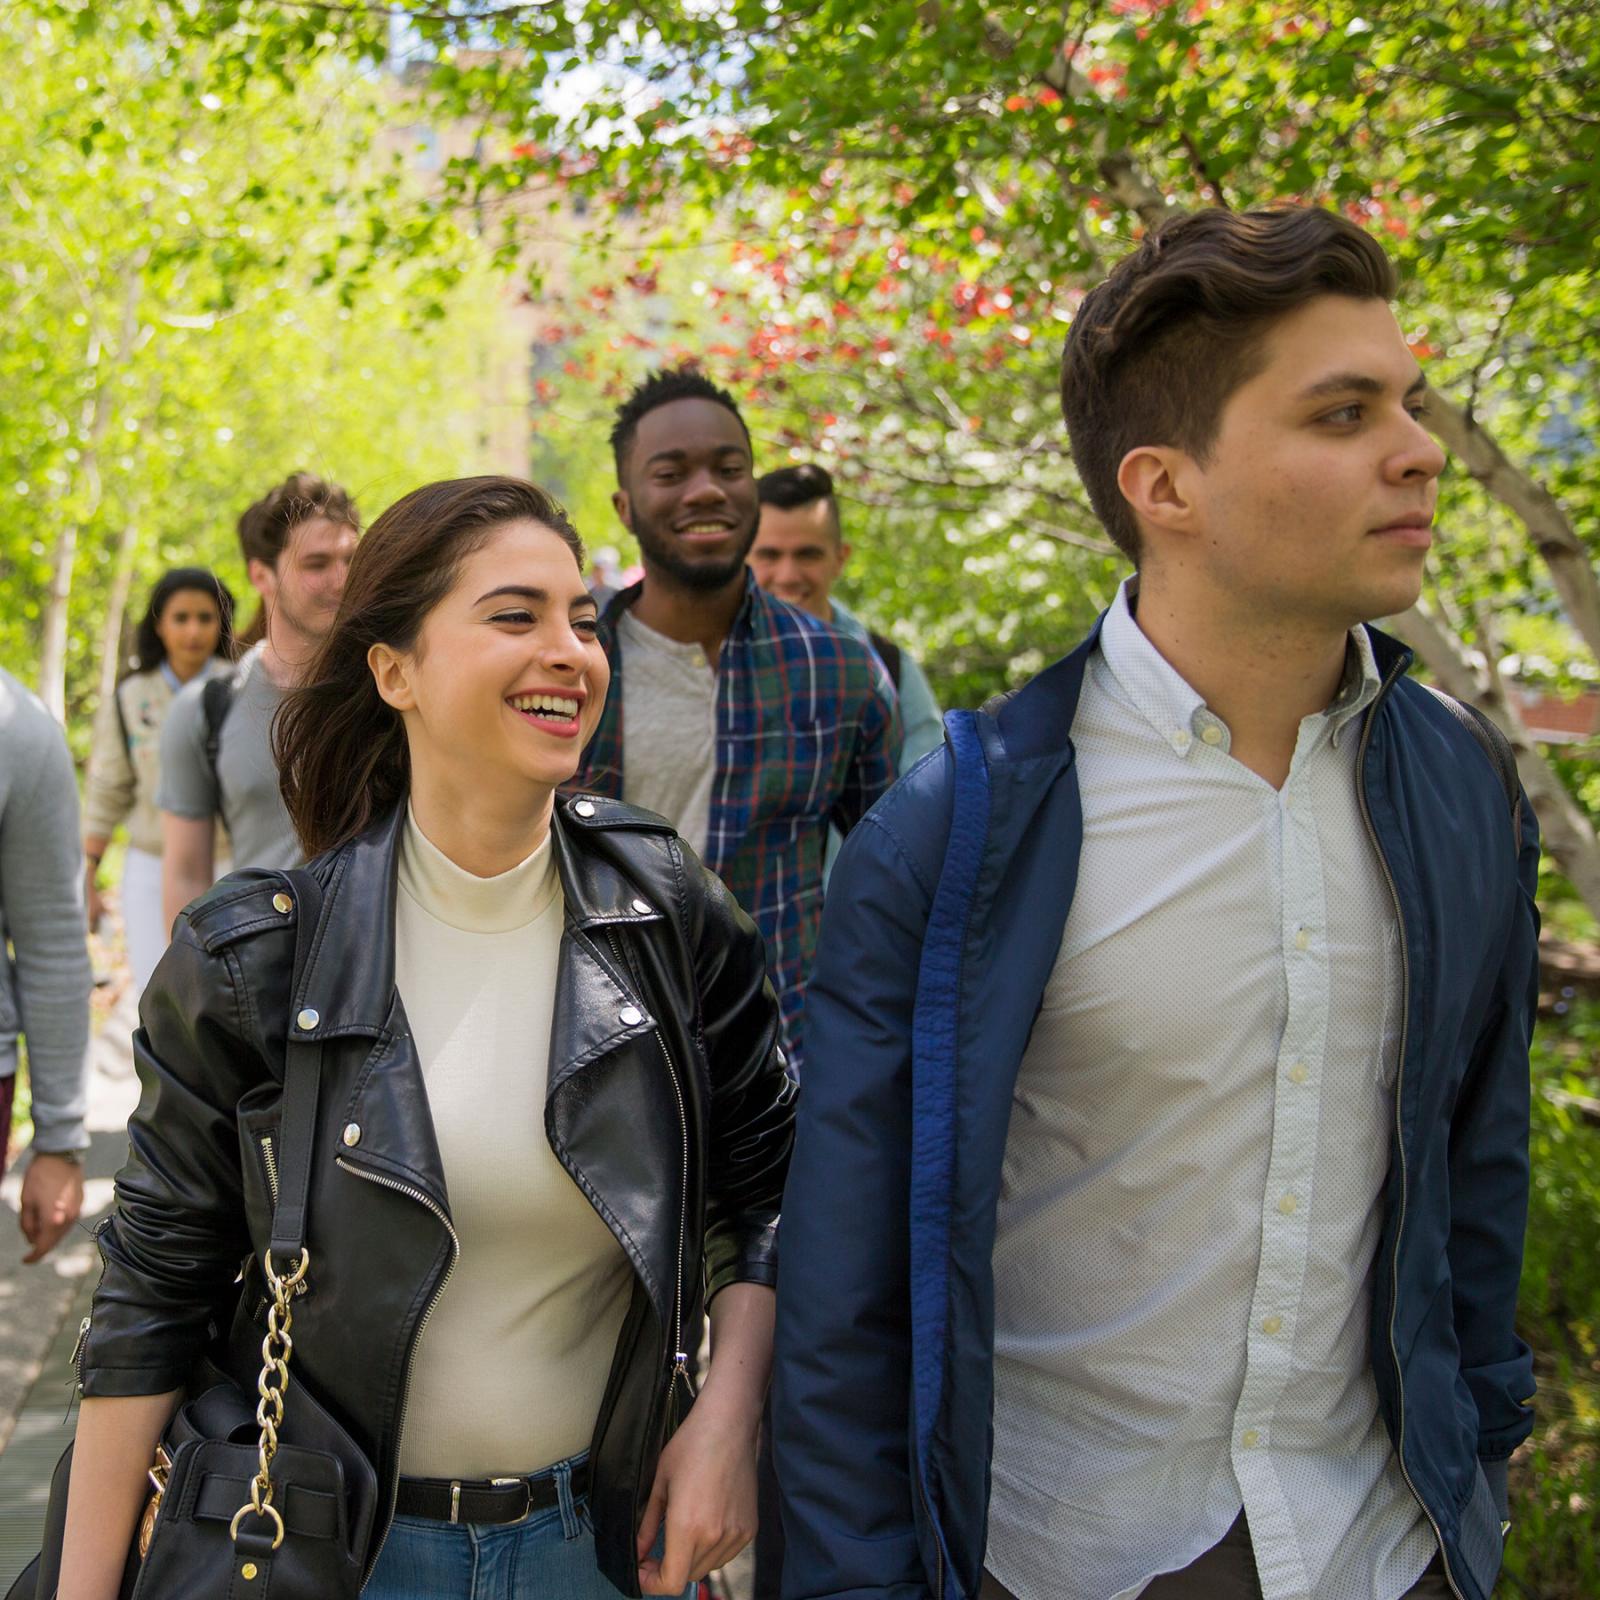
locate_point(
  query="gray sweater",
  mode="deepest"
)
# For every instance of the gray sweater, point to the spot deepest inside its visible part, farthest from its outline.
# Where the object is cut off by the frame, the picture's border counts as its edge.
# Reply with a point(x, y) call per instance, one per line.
point(46, 978)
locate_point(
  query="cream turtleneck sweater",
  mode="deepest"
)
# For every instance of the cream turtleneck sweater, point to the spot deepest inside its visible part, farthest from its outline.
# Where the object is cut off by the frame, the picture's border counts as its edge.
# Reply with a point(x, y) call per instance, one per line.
point(509, 1372)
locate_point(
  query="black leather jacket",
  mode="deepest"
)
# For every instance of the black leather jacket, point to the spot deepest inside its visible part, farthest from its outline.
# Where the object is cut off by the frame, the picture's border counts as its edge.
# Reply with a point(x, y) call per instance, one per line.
point(668, 1104)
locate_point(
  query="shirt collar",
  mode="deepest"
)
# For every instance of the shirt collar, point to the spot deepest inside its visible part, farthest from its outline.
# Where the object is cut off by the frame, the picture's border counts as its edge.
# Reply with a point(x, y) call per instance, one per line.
point(744, 623)
point(174, 682)
point(1178, 713)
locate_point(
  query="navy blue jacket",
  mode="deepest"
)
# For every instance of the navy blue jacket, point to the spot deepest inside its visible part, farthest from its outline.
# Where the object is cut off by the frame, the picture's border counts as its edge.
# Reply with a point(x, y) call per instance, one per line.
point(942, 924)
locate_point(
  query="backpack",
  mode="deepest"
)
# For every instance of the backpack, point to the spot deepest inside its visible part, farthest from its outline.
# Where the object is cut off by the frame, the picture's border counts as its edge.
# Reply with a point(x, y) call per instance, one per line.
point(216, 700)
point(1496, 746)
point(889, 654)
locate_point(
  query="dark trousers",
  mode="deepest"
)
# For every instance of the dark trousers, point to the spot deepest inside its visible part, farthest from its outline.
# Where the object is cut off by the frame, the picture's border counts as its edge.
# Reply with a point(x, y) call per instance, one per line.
point(769, 1529)
point(1227, 1571)
point(8, 1090)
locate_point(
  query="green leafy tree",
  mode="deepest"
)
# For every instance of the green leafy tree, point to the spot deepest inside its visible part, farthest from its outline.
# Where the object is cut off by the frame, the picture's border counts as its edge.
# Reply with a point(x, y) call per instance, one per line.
point(200, 295)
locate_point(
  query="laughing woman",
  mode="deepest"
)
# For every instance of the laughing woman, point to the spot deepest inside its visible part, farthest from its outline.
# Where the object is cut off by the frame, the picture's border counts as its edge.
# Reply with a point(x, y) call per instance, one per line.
point(553, 1116)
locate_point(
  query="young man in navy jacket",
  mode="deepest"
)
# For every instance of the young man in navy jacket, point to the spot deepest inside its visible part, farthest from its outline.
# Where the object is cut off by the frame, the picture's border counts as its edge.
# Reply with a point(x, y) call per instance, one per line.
point(1156, 1214)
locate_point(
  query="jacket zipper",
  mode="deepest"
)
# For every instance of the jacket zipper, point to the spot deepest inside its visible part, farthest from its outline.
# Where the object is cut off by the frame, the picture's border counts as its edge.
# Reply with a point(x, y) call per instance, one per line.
point(680, 1356)
point(416, 1338)
point(1399, 1135)
point(270, 1157)
point(82, 1343)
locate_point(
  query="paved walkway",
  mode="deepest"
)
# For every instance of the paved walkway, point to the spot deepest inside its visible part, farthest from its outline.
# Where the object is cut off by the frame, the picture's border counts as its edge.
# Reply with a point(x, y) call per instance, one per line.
point(42, 1305)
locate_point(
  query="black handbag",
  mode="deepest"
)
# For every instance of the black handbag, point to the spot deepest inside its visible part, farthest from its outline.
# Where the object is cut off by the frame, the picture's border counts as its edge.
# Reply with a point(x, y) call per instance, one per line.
point(254, 1495)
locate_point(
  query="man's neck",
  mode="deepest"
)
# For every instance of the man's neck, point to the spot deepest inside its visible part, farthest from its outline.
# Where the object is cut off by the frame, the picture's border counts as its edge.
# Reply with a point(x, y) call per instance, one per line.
point(1262, 678)
point(286, 654)
point(691, 616)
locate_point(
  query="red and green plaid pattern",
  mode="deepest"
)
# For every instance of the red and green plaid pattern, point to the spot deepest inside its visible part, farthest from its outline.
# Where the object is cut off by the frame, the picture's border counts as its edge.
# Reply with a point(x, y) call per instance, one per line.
point(807, 730)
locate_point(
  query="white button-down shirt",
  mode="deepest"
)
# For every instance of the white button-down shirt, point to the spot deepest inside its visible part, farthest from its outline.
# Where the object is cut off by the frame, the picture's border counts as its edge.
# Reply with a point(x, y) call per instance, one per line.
point(1198, 1146)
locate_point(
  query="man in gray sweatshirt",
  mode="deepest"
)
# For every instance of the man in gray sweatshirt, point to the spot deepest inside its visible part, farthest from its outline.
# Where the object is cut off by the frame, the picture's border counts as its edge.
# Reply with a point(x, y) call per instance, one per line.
point(45, 976)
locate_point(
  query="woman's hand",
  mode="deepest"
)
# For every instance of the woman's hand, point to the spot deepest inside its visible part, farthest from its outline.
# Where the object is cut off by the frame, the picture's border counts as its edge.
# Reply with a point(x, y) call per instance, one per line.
point(706, 1489)
point(705, 1486)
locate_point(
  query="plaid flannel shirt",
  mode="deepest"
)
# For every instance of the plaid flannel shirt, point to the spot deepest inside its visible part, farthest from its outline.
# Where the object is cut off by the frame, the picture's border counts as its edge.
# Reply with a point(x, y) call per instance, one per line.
point(807, 730)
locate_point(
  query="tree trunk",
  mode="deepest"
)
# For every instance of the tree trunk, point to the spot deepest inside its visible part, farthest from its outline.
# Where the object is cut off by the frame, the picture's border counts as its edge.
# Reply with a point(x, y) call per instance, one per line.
point(111, 661)
point(1533, 505)
point(97, 423)
point(1569, 836)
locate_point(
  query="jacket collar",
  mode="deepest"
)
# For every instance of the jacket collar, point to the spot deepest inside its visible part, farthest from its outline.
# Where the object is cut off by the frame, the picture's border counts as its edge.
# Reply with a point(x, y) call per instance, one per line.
point(349, 977)
point(1036, 720)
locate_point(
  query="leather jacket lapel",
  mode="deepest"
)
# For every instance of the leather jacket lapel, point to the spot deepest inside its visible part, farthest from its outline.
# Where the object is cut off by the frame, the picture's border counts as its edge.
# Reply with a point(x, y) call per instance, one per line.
point(385, 1125)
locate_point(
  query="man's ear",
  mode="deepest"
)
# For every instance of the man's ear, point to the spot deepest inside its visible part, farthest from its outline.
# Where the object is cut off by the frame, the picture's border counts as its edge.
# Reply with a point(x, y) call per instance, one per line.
point(391, 674)
point(263, 577)
point(844, 555)
point(623, 506)
point(1159, 484)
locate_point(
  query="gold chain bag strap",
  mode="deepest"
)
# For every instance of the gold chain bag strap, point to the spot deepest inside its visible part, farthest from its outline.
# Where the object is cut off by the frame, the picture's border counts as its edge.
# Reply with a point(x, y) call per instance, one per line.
point(271, 1387)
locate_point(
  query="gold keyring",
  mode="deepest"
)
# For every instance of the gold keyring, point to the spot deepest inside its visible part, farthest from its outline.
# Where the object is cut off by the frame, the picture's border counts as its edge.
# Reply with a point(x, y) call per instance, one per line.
point(268, 1510)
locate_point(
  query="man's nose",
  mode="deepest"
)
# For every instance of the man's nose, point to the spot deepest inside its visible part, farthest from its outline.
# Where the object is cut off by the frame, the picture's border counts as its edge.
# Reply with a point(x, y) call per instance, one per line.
point(1420, 455)
point(703, 489)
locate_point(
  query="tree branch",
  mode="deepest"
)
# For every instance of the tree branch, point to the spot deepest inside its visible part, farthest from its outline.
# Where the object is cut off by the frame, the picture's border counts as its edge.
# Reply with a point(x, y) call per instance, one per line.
point(1568, 835)
point(1548, 525)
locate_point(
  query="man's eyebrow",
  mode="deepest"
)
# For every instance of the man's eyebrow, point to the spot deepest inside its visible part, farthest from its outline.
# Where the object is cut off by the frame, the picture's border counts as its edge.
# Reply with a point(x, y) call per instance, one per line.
point(677, 453)
point(1358, 383)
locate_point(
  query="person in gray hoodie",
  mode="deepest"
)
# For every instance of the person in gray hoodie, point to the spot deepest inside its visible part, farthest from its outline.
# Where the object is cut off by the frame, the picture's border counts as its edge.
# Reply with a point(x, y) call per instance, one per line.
point(45, 977)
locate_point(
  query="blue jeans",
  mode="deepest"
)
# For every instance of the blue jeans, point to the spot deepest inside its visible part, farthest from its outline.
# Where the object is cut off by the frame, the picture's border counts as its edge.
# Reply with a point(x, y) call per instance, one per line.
point(550, 1556)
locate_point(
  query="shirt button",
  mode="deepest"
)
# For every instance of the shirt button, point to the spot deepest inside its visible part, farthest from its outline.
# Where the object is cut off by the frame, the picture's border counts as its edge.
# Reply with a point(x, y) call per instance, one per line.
point(1272, 1325)
point(1249, 1438)
point(1211, 733)
point(1181, 741)
point(1299, 1072)
point(1302, 940)
point(631, 1016)
point(1289, 1204)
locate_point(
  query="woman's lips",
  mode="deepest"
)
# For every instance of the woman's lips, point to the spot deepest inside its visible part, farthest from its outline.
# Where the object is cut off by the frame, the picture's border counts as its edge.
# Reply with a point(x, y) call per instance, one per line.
point(557, 728)
point(1415, 535)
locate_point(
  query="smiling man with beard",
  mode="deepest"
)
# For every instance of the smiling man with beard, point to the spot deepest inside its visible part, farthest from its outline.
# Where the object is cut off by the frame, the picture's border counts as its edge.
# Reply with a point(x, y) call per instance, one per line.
point(747, 723)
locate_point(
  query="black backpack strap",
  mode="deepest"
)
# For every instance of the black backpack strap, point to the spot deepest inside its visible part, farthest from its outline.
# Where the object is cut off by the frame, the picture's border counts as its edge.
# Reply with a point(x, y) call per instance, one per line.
point(302, 1077)
point(1496, 746)
point(889, 655)
point(122, 716)
point(216, 699)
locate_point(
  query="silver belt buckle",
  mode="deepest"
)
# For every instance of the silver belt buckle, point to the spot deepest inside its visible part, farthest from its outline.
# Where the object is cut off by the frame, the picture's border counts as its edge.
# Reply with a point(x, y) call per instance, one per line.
point(527, 1498)
point(455, 1500)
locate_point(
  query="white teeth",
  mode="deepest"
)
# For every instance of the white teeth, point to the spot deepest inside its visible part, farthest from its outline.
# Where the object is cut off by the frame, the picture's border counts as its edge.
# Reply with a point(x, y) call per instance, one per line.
point(556, 704)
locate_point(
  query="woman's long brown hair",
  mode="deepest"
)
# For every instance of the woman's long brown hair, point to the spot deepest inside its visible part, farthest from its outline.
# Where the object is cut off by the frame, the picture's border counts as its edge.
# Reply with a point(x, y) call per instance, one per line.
point(341, 751)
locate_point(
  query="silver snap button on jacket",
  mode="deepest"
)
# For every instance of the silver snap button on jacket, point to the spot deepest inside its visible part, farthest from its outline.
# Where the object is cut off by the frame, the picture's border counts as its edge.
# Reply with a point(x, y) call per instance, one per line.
point(307, 1020)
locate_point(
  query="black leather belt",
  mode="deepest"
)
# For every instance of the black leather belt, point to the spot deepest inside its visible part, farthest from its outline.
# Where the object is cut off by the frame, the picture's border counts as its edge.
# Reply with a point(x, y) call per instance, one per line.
point(492, 1500)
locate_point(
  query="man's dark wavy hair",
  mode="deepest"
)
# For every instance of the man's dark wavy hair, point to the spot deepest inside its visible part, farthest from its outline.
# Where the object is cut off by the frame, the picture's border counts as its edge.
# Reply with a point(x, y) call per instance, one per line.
point(1155, 352)
point(788, 488)
point(661, 388)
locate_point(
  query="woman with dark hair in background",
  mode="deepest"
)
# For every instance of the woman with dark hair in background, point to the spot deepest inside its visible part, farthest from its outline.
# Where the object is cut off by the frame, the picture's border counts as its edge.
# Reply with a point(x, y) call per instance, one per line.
point(554, 1117)
point(186, 632)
